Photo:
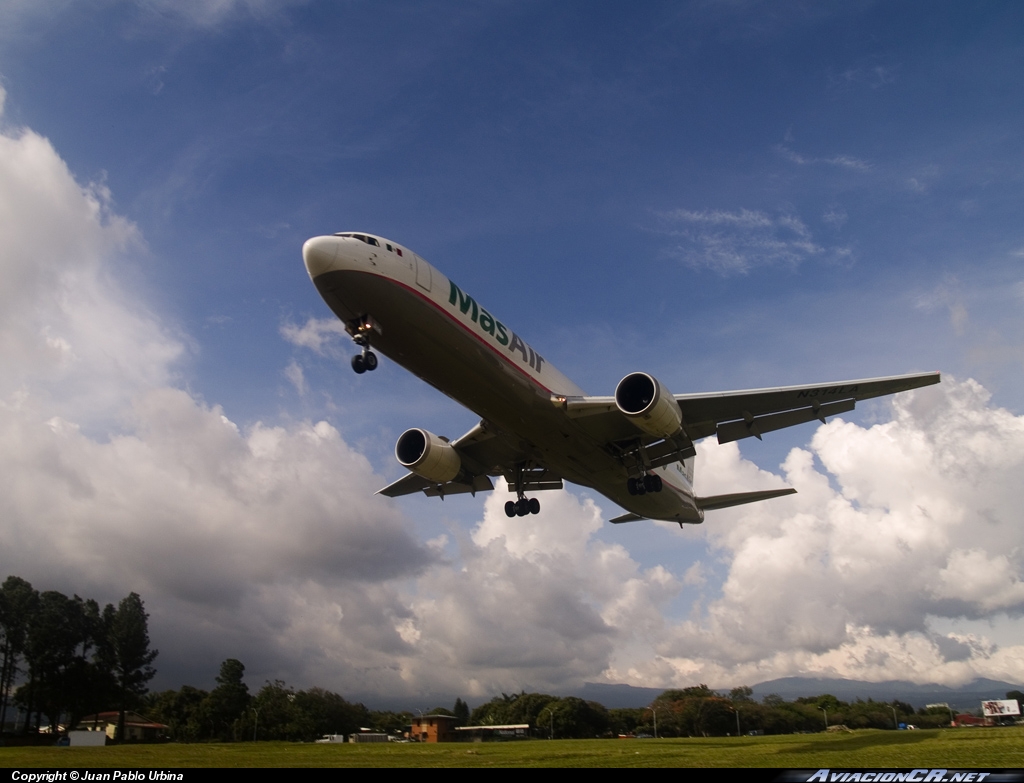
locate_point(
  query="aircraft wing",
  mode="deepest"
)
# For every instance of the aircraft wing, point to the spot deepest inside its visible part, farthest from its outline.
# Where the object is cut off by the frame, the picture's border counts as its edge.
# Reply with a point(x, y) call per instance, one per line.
point(483, 453)
point(410, 483)
point(742, 414)
point(733, 415)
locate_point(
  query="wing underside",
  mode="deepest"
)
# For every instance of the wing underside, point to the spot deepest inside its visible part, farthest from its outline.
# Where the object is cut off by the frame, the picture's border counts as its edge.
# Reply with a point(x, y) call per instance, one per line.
point(483, 453)
point(734, 415)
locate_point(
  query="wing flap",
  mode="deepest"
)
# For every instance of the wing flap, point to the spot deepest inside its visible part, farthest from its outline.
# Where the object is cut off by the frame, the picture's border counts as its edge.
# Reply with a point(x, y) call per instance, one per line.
point(758, 425)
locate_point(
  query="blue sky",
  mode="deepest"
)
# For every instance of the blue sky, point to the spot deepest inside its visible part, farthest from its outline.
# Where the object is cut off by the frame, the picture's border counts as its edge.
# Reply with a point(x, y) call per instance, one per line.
point(726, 195)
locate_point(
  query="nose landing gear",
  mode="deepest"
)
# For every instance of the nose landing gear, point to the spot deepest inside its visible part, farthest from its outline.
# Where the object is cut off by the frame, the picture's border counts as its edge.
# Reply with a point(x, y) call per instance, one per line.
point(360, 331)
point(365, 361)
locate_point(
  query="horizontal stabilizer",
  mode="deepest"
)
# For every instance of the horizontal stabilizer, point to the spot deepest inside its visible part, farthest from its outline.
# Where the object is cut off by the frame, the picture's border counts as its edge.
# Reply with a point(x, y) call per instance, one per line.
point(626, 518)
point(739, 498)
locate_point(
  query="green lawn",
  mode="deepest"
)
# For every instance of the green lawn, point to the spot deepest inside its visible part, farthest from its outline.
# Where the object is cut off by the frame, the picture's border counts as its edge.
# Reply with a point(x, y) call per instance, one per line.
point(994, 747)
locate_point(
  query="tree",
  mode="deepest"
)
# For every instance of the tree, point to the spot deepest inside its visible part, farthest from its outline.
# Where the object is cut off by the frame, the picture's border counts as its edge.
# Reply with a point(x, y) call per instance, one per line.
point(461, 711)
point(229, 700)
point(18, 601)
point(54, 633)
point(575, 718)
point(183, 711)
point(329, 713)
point(128, 636)
point(742, 693)
point(280, 714)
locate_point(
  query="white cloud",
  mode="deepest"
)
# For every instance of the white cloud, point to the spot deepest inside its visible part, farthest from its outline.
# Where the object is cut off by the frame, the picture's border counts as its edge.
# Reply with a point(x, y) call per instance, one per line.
point(535, 602)
point(293, 372)
point(220, 528)
point(210, 13)
point(201, 14)
point(910, 520)
point(835, 217)
point(737, 242)
point(67, 329)
point(842, 161)
point(321, 335)
point(872, 76)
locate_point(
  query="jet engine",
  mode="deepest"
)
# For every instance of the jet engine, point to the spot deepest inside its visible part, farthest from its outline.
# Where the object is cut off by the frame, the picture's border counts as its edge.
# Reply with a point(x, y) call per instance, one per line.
point(428, 455)
point(648, 404)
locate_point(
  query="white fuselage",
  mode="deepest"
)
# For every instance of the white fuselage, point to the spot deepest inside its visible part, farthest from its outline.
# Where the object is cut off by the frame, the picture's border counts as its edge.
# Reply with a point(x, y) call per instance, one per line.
point(429, 325)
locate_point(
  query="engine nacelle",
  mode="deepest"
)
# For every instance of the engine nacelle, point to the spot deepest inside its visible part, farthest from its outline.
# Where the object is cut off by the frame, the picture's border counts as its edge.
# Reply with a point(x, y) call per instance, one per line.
point(648, 404)
point(427, 455)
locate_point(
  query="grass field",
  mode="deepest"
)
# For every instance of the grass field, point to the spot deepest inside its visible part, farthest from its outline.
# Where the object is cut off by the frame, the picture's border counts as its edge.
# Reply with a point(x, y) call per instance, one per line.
point(994, 747)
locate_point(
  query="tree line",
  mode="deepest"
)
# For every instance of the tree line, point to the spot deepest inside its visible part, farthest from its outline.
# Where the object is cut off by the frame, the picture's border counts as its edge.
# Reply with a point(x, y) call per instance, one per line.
point(277, 712)
point(699, 711)
point(70, 656)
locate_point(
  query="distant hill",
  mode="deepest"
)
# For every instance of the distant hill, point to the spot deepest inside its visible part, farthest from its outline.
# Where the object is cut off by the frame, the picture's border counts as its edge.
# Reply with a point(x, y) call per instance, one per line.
point(964, 697)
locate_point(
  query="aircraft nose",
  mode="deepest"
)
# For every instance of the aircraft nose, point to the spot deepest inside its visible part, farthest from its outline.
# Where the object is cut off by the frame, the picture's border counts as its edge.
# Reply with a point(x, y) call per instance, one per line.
point(319, 254)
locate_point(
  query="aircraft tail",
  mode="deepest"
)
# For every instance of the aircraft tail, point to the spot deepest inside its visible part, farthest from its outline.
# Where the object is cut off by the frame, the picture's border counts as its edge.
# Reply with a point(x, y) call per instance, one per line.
point(714, 502)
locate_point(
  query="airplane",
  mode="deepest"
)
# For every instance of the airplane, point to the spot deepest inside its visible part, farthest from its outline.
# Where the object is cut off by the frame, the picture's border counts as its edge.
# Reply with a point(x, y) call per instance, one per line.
point(537, 428)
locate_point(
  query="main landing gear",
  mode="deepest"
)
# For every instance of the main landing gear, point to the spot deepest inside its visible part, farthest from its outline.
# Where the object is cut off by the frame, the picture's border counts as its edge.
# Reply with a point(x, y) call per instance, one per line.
point(367, 360)
point(641, 485)
point(522, 507)
point(525, 505)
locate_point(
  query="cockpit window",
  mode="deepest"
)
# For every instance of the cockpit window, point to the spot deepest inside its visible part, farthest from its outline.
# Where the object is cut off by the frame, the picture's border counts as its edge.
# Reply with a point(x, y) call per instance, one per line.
point(361, 238)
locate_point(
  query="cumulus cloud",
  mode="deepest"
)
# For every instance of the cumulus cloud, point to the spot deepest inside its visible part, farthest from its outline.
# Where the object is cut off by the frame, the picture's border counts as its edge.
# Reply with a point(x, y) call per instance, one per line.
point(535, 602)
point(113, 479)
point(737, 242)
point(903, 522)
point(67, 330)
point(320, 335)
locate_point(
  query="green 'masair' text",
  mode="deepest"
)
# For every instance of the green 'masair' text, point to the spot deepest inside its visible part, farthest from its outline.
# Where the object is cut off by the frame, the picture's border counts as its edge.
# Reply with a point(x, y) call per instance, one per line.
point(504, 336)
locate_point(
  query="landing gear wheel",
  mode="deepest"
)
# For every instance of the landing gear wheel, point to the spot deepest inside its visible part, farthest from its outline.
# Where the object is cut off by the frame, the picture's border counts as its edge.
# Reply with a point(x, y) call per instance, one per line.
point(631, 485)
point(522, 507)
point(534, 506)
point(359, 364)
point(510, 508)
point(370, 360)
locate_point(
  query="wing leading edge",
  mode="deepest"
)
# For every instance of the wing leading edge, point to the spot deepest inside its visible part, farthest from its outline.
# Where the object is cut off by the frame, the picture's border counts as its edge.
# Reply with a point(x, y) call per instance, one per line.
point(734, 415)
